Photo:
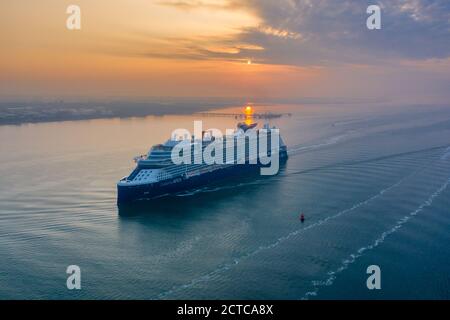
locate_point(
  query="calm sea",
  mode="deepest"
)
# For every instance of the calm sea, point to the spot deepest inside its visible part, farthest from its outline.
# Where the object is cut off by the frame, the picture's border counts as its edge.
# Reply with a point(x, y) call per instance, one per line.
point(373, 183)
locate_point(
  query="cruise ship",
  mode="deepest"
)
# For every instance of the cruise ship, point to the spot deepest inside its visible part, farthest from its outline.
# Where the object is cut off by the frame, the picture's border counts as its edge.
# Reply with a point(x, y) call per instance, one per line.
point(157, 175)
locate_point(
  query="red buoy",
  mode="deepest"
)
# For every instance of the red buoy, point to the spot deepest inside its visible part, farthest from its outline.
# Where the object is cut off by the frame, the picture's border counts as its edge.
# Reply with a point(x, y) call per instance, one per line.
point(302, 217)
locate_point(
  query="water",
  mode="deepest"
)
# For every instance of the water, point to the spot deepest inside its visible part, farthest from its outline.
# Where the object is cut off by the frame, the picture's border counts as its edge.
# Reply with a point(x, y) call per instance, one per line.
point(373, 183)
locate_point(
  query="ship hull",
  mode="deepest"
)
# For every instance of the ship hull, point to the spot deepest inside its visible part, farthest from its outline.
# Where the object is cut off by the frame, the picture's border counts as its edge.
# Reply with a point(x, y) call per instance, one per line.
point(129, 194)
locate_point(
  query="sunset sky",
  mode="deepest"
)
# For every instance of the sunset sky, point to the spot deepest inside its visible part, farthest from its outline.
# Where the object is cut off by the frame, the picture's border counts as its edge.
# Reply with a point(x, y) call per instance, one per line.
point(225, 48)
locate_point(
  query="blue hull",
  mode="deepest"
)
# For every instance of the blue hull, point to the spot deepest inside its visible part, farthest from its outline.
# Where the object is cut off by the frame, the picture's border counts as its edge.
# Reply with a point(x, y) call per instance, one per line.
point(130, 194)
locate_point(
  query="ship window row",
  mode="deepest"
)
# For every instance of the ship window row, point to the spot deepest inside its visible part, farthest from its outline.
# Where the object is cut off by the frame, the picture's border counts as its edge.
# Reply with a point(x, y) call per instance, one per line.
point(145, 176)
point(159, 155)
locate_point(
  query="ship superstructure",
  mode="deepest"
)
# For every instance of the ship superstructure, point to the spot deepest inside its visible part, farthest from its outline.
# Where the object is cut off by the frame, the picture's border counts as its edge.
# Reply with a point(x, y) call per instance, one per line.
point(156, 174)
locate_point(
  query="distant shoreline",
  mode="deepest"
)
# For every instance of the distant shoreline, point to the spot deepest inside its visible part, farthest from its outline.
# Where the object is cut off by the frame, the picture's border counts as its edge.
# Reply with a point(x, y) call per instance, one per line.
point(19, 113)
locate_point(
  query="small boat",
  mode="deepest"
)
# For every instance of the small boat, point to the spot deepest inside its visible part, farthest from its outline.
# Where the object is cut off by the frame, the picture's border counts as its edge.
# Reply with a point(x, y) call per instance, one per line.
point(302, 217)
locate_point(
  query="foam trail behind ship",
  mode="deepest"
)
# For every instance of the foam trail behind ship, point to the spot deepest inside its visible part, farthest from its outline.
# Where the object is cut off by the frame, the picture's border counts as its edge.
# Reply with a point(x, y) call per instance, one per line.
point(353, 257)
point(280, 240)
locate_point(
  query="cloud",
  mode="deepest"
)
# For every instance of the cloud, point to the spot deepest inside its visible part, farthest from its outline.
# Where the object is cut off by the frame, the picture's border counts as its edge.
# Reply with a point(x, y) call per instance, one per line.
point(335, 32)
point(198, 4)
point(282, 33)
point(198, 48)
point(325, 32)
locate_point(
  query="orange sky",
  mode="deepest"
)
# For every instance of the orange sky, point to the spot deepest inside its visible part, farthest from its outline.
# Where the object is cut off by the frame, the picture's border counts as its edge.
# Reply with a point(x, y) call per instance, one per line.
point(121, 50)
point(143, 48)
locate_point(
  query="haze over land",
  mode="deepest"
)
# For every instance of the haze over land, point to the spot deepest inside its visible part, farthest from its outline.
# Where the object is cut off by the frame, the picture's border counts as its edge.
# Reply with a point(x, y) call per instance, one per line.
point(14, 112)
